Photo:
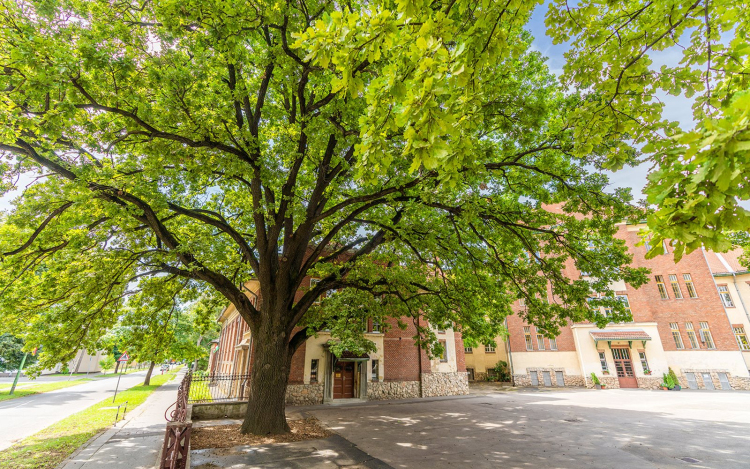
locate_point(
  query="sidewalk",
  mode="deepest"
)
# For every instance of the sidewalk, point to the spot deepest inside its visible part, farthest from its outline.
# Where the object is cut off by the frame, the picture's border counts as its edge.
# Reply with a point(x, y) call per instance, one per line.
point(134, 443)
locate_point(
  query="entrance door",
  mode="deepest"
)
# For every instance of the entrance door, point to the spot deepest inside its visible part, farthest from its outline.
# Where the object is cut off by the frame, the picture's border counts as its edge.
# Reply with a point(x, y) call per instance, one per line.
point(343, 380)
point(624, 367)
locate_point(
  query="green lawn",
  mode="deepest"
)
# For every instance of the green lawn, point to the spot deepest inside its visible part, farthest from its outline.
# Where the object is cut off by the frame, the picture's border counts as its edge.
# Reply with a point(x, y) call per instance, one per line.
point(27, 389)
point(51, 446)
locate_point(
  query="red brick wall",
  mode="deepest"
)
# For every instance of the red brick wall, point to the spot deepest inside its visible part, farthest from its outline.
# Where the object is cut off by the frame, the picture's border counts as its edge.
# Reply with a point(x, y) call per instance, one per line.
point(517, 340)
point(647, 305)
point(460, 357)
point(400, 354)
point(297, 371)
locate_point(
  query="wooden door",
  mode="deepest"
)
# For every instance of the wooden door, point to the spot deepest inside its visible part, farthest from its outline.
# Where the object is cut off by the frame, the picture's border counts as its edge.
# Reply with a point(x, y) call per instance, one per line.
point(624, 367)
point(343, 380)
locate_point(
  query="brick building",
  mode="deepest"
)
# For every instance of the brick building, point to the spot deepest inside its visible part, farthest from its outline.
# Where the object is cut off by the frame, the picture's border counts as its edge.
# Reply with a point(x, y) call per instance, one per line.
point(397, 369)
point(679, 321)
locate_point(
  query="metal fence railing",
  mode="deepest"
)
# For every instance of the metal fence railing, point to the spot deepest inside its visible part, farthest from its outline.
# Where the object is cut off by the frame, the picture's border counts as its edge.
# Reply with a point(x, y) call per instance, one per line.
point(174, 453)
point(219, 388)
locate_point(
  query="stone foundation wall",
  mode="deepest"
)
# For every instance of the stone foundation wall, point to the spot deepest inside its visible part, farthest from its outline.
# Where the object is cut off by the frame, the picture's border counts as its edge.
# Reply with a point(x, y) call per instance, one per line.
point(651, 382)
point(522, 380)
point(445, 384)
point(610, 381)
point(574, 381)
point(740, 383)
point(377, 391)
point(304, 394)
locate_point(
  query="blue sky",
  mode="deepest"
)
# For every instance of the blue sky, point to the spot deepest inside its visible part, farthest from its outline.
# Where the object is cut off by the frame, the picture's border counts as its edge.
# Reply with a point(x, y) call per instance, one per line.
point(677, 107)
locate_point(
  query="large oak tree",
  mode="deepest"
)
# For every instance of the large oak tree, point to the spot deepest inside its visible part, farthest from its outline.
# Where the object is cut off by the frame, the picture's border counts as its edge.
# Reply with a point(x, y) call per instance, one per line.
point(415, 156)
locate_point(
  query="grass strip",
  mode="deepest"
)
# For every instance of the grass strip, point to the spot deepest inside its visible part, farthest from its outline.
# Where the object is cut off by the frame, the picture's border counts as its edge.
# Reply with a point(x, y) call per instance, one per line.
point(28, 389)
point(49, 447)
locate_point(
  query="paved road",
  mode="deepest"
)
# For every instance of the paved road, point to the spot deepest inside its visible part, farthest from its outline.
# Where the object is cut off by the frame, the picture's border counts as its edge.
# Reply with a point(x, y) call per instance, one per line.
point(615, 428)
point(4, 379)
point(27, 415)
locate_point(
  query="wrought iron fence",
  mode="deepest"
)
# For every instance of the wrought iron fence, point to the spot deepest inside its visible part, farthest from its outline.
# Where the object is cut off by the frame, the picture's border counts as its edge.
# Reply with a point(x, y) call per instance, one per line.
point(219, 388)
point(174, 453)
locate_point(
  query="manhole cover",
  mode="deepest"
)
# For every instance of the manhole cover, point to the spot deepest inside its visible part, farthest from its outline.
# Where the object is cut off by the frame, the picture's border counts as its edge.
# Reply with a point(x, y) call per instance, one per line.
point(690, 460)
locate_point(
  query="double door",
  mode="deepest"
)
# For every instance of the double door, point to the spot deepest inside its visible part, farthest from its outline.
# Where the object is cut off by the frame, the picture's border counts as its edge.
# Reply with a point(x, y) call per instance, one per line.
point(343, 380)
point(624, 367)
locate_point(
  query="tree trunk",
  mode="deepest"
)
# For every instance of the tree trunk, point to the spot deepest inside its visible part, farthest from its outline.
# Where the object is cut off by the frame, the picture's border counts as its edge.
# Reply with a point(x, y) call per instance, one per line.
point(147, 381)
point(268, 380)
point(117, 366)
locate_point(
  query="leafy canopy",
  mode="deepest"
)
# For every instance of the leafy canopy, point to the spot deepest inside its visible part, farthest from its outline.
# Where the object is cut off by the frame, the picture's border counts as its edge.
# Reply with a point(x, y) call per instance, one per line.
point(700, 176)
point(415, 156)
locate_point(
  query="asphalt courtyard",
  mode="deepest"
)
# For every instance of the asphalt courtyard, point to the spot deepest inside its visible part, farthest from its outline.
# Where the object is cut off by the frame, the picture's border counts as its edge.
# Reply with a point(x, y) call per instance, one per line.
point(574, 428)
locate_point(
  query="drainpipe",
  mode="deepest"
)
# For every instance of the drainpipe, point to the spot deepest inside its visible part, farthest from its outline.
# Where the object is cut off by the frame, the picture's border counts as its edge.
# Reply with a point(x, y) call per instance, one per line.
point(419, 359)
point(510, 356)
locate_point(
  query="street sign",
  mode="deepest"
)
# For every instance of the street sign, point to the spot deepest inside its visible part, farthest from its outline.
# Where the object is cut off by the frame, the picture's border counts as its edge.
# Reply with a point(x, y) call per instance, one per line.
point(124, 357)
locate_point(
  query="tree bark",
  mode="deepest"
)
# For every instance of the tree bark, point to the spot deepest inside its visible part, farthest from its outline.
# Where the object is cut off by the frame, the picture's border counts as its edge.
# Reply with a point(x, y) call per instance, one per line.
point(147, 381)
point(268, 379)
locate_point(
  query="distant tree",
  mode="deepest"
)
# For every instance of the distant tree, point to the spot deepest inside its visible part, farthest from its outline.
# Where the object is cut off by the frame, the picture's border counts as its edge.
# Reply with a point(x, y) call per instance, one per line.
point(170, 332)
point(11, 353)
point(107, 363)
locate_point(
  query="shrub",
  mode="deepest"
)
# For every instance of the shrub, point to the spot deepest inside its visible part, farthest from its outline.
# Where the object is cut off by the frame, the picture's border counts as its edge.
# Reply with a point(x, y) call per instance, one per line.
point(107, 363)
point(673, 377)
point(667, 381)
point(503, 371)
point(595, 379)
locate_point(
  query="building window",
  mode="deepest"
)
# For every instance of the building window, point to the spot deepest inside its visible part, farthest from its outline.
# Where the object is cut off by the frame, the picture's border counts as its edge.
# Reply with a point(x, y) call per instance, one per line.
point(540, 341)
point(375, 325)
point(726, 298)
point(314, 370)
point(553, 344)
point(644, 362)
point(468, 350)
point(690, 286)
point(625, 302)
point(374, 370)
point(706, 336)
point(739, 334)
point(676, 335)
point(489, 348)
point(444, 353)
point(691, 335)
point(527, 334)
point(603, 361)
point(662, 288)
point(313, 283)
point(665, 245)
point(675, 286)
point(522, 302)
